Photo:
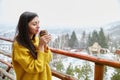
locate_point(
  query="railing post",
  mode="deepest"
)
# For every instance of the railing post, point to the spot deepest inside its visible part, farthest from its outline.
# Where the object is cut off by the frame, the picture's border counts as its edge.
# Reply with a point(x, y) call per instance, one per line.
point(99, 70)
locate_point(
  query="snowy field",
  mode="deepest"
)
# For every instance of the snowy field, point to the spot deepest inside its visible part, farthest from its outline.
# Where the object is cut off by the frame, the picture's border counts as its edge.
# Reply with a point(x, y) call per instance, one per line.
point(54, 78)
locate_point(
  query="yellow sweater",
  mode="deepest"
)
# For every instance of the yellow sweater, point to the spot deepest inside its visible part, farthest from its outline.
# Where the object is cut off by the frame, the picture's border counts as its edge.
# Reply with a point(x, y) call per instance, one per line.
point(28, 68)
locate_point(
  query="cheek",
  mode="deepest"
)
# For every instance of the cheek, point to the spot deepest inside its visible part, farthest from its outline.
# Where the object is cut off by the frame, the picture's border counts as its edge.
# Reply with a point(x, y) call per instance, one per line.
point(31, 29)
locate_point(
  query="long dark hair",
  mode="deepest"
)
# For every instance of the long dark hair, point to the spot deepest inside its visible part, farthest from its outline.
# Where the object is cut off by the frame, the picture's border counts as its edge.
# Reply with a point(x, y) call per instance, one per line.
point(22, 32)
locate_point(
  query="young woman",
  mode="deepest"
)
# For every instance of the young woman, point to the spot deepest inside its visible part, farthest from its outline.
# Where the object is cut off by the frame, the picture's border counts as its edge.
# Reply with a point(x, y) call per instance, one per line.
point(30, 58)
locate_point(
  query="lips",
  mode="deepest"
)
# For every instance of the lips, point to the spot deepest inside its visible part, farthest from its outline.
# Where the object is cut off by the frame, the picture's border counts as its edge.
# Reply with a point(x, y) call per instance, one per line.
point(37, 30)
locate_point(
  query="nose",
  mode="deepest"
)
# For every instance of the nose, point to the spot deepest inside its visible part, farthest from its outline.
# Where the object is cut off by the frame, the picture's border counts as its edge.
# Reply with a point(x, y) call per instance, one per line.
point(38, 25)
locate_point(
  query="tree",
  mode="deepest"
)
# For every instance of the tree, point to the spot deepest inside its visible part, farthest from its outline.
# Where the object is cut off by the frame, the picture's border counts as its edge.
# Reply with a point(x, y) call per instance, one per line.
point(105, 72)
point(98, 37)
point(59, 66)
point(56, 43)
point(78, 72)
point(83, 40)
point(61, 41)
point(95, 37)
point(70, 70)
point(89, 40)
point(102, 39)
point(73, 42)
point(86, 71)
point(65, 41)
point(116, 75)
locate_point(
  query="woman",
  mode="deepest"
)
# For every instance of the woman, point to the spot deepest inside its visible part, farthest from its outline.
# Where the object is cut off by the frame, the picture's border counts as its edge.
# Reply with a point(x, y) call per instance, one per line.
point(30, 58)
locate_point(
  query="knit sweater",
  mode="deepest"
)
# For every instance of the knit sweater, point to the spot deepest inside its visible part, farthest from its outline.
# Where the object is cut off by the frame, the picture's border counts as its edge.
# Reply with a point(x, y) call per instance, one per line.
point(28, 68)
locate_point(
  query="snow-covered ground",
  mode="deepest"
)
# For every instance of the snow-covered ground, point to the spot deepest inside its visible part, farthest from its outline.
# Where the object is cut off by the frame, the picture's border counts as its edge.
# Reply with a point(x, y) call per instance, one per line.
point(55, 78)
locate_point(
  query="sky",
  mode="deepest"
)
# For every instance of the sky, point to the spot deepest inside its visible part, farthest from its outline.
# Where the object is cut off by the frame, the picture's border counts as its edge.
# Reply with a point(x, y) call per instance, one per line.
point(62, 12)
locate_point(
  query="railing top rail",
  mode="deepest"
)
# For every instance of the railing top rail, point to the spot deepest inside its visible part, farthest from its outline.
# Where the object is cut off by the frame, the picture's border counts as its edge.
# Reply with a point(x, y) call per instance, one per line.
point(5, 39)
point(94, 59)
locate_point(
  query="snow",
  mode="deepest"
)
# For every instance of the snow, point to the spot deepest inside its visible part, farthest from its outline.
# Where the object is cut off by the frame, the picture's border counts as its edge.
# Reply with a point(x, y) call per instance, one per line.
point(55, 78)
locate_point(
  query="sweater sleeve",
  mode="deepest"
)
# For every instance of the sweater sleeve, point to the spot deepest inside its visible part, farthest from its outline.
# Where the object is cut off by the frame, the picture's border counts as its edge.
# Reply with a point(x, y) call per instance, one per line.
point(29, 64)
point(48, 55)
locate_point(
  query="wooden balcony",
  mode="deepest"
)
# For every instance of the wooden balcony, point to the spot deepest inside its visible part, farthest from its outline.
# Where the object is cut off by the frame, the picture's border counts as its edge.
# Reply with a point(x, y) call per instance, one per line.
point(98, 68)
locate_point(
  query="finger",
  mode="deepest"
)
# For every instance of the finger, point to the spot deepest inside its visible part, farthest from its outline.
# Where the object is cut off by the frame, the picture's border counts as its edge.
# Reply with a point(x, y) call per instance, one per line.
point(43, 40)
point(47, 37)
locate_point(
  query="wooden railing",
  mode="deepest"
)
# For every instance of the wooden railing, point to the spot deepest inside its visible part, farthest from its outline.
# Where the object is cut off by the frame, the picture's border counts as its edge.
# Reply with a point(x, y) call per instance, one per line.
point(98, 68)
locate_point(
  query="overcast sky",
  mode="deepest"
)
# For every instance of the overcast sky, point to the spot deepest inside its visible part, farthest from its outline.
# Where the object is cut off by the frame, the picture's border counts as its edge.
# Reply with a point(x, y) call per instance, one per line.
point(62, 12)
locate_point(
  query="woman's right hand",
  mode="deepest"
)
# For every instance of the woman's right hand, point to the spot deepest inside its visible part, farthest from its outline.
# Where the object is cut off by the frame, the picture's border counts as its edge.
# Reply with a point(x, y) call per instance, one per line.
point(44, 40)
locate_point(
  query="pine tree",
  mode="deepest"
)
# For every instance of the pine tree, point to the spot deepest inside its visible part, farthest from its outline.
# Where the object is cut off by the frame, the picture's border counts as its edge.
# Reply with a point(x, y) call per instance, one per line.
point(59, 66)
point(116, 75)
point(70, 70)
point(73, 42)
point(86, 71)
point(102, 39)
point(61, 41)
point(95, 37)
point(98, 37)
point(83, 40)
point(66, 44)
point(78, 72)
point(89, 40)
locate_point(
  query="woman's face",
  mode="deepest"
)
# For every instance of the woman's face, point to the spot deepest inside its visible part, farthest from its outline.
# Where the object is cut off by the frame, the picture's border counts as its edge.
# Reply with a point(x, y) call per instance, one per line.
point(33, 26)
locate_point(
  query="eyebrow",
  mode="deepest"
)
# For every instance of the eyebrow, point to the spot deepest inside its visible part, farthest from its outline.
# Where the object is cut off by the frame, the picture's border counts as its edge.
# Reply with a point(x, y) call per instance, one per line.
point(35, 21)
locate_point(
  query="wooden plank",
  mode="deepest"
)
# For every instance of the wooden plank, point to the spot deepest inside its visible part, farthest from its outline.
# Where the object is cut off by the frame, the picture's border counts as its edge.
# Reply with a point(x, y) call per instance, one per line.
point(7, 74)
point(99, 71)
point(5, 53)
point(62, 76)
